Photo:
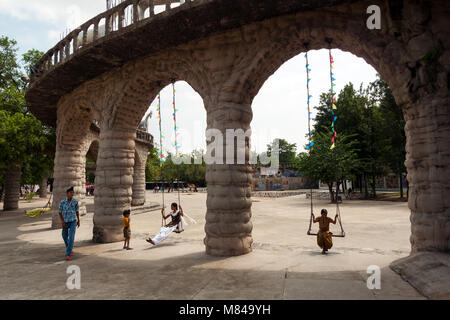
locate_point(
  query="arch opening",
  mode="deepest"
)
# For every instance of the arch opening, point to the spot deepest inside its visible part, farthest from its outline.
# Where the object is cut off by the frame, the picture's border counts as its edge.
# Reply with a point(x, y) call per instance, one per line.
point(91, 161)
point(280, 111)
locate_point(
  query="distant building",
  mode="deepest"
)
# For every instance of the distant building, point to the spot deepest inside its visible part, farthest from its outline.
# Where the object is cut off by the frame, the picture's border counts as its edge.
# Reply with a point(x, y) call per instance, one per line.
point(265, 179)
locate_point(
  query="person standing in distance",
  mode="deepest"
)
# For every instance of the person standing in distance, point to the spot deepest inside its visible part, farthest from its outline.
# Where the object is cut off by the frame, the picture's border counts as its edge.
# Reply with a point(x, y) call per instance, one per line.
point(70, 219)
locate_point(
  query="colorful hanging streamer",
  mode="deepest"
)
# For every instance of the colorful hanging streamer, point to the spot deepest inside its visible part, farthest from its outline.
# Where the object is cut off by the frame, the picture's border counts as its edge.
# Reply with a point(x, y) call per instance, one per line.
point(308, 80)
point(333, 101)
point(175, 127)
point(162, 158)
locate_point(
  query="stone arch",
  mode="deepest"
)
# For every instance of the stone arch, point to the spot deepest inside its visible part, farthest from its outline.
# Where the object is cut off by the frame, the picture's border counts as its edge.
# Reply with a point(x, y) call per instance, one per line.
point(75, 116)
point(92, 152)
point(70, 166)
point(228, 68)
point(399, 54)
point(149, 76)
point(140, 160)
point(226, 55)
point(278, 40)
point(116, 181)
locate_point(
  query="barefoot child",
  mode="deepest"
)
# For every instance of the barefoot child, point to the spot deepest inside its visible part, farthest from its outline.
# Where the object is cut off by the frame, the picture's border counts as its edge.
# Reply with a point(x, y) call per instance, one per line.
point(324, 236)
point(126, 229)
point(165, 231)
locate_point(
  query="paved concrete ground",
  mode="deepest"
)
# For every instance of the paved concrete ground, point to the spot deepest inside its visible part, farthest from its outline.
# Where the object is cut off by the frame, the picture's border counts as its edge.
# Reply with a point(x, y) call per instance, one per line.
point(285, 263)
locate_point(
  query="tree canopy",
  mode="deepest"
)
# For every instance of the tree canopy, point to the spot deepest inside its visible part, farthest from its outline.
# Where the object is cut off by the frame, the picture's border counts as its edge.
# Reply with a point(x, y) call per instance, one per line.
point(23, 138)
point(326, 164)
point(287, 152)
point(371, 122)
point(169, 171)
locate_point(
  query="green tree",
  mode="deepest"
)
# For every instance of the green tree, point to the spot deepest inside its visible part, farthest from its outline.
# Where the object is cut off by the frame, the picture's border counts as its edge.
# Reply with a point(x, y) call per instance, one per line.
point(359, 115)
point(287, 152)
point(27, 145)
point(20, 140)
point(9, 67)
point(329, 165)
point(152, 166)
point(196, 171)
point(170, 172)
point(30, 58)
point(392, 129)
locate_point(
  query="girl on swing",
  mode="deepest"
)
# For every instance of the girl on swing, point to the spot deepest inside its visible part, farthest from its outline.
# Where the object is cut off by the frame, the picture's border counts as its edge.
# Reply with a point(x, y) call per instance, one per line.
point(324, 236)
point(175, 225)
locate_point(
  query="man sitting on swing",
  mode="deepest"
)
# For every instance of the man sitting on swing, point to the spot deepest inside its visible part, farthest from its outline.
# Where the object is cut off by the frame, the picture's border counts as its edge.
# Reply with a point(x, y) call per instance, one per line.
point(324, 236)
point(174, 225)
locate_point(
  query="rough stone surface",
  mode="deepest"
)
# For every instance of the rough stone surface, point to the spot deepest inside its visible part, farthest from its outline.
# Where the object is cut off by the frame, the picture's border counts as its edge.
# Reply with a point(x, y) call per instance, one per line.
point(428, 272)
point(113, 183)
point(70, 160)
point(138, 189)
point(70, 168)
point(226, 51)
point(65, 176)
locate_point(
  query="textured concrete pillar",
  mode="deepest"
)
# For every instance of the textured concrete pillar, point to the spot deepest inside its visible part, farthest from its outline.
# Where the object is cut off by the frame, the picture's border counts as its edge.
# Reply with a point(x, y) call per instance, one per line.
point(138, 197)
point(428, 163)
point(69, 170)
point(12, 187)
point(228, 227)
point(113, 183)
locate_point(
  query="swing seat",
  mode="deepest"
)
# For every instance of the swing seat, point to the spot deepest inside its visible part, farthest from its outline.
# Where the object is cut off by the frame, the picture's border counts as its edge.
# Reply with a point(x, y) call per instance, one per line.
point(336, 235)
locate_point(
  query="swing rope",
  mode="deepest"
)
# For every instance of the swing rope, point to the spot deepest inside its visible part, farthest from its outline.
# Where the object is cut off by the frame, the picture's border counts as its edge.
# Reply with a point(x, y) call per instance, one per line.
point(177, 147)
point(310, 144)
point(334, 138)
point(161, 152)
point(161, 155)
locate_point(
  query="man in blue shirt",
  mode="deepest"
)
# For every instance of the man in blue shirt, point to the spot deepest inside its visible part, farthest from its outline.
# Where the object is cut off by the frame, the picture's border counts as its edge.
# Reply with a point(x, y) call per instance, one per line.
point(70, 219)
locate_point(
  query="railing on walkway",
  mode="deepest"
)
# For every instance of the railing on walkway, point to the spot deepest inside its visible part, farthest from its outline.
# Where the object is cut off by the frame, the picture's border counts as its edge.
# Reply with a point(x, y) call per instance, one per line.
point(144, 136)
point(141, 135)
point(120, 17)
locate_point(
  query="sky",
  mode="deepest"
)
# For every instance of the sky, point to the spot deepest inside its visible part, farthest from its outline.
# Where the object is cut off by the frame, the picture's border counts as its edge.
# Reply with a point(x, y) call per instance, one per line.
point(279, 109)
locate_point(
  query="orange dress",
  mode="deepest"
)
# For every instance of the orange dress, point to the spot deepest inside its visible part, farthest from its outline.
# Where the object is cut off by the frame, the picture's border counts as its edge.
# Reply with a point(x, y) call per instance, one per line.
point(324, 236)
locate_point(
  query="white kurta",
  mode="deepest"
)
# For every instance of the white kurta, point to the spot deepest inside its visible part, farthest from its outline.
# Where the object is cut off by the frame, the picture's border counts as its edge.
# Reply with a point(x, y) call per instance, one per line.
point(163, 234)
point(166, 231)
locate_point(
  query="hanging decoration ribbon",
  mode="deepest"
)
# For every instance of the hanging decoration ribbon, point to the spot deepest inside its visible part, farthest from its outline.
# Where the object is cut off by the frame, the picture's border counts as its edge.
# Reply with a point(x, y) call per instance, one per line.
point(162, 158)
point(333, 101)
point(308, 80)
point(175, 127)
